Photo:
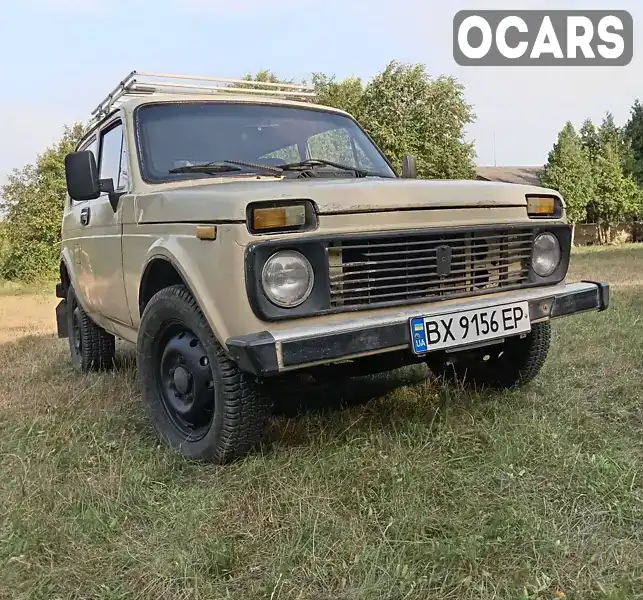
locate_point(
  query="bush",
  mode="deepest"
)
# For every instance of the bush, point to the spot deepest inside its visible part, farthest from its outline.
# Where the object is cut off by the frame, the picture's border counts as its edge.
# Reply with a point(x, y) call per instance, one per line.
point(33, 201)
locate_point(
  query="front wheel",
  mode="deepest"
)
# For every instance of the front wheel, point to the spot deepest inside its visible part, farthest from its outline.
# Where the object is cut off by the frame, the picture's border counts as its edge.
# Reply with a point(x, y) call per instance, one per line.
point(201, 404)
point(514, 363)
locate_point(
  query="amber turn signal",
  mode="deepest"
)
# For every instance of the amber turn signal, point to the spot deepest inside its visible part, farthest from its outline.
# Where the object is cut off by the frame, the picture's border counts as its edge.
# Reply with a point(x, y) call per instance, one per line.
point(206, 232)
point(279, 217)
point(542, 206)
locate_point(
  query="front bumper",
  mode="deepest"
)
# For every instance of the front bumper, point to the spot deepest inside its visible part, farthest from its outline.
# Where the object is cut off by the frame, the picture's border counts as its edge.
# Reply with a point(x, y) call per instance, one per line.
point(269, 353)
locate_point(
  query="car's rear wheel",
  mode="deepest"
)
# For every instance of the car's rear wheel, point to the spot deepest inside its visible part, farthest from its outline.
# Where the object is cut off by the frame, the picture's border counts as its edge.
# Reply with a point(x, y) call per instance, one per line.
point(514, 363)
point(90, 346)
point(201, 404)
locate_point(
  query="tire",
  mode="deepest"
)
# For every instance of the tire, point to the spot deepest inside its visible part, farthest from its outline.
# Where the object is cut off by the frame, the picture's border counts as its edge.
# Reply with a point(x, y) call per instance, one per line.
point(512, 364)
point(199, 401)
point(90, 346)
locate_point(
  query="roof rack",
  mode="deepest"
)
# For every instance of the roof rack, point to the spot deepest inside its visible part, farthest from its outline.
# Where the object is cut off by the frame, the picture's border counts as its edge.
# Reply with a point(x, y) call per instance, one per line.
point(137, 84)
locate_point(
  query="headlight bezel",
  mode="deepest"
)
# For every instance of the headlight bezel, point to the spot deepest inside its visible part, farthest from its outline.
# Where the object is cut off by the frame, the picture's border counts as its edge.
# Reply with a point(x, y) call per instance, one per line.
point(307, 267)
point(256, 256)
point(563, 233)
point(558, 249)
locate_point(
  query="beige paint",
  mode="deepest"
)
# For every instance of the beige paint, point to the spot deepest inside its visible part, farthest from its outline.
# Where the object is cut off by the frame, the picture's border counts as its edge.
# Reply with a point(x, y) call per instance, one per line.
point(228, 201)
point(159, 222)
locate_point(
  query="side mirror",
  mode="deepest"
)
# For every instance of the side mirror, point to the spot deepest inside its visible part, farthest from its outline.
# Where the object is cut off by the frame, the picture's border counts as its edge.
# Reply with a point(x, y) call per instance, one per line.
point(409, 167)
point(81, 174)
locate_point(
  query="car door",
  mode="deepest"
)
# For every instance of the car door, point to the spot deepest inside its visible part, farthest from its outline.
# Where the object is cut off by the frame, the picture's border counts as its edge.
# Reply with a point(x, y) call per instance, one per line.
point(101, 242)
point(73, 231)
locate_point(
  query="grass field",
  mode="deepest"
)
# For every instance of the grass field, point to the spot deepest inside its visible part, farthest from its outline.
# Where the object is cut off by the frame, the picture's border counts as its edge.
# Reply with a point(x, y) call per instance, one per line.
point(423, 492)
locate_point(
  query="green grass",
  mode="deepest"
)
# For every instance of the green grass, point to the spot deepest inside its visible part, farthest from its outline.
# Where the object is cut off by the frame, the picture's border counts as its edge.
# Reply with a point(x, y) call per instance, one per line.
point(424, 492)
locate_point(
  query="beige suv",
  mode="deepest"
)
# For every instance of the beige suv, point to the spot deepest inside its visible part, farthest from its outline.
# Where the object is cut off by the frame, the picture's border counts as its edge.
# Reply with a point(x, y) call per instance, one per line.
point(237, 233)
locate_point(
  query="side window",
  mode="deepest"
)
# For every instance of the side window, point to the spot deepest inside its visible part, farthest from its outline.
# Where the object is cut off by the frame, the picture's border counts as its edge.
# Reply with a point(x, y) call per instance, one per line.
point(111, 156)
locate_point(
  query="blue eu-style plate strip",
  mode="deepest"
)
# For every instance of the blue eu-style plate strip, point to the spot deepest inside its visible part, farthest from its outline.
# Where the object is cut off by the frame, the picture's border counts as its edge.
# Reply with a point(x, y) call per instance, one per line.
point(418, 335)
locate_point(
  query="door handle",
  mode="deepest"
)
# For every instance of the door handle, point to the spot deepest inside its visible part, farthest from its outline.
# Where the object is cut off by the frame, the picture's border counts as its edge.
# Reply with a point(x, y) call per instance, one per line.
point(85, 214)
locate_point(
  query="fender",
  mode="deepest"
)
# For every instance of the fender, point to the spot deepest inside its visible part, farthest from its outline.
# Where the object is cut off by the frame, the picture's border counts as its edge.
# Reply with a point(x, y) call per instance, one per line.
point(67, 260)
point(169, 250)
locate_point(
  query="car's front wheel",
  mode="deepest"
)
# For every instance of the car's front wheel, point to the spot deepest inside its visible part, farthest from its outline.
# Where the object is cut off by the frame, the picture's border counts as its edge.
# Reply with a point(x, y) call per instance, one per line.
point(514, 363)
point(201, 404)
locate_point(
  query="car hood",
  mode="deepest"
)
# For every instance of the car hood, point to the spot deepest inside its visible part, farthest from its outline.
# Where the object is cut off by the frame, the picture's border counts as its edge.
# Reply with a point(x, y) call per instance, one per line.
point(228, 201)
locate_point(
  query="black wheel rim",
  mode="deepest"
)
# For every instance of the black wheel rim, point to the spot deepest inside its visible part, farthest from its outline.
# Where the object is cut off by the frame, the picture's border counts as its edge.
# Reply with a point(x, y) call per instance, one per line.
point(184, 380)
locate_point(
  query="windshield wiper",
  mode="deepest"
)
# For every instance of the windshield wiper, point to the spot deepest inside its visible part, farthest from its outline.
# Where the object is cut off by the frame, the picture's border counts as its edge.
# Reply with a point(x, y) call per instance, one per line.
point(320, 162)
point(211, 168)
point(226, 166)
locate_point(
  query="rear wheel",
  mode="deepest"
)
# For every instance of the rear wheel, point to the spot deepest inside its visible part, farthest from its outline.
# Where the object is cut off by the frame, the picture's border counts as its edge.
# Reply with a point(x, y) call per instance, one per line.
point(201, 404)
point(514, 363)
point(90, 346)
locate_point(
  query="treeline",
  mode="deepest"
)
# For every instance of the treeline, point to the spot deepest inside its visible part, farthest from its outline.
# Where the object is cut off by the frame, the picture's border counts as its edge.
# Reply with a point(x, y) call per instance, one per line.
point(599, 171)
point(402, 108)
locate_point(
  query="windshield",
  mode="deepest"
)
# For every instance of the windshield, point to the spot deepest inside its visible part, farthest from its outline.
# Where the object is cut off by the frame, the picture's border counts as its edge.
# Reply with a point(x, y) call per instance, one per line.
point(171, 136)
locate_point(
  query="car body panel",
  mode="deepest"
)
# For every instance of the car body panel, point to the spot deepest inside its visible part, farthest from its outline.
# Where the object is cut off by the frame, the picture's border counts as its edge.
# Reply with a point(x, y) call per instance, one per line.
point(228, 201)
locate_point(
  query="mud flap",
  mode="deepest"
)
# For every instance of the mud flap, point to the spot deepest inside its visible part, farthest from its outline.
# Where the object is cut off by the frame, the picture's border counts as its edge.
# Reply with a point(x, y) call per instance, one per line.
point(61, 319)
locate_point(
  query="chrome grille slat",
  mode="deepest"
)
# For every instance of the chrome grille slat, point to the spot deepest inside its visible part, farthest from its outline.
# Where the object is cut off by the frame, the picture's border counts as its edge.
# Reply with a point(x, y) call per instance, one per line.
point(437, 241)
point(429, 276)
point(404, 269)
point(496, 246)
point(424, 293)
point(474, 278)
point(397, 261)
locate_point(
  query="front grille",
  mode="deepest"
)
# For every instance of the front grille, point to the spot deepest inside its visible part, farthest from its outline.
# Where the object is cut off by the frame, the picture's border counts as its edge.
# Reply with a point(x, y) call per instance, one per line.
point(415, 268)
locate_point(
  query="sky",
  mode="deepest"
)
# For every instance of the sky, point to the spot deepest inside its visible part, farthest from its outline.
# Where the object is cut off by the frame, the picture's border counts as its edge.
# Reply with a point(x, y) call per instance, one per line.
point(61, 57)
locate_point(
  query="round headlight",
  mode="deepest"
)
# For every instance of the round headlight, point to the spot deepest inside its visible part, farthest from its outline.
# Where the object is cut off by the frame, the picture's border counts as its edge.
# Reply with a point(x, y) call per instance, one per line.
point(287, 278)
point(546, 257)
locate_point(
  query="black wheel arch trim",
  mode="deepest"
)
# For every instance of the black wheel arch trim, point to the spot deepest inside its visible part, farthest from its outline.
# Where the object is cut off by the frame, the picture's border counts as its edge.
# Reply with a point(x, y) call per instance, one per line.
point(175, 265)
point(62, 290)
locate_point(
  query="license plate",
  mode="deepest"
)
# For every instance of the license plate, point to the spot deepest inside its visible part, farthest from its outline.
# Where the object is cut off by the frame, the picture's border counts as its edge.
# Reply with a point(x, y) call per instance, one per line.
point(468, 327)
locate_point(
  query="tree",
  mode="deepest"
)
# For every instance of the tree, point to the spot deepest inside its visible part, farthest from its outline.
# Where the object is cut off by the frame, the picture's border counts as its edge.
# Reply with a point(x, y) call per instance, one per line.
point(617, 195)
point(33, 201)
point(608, 140)
point(610, 134)
point(4, 244)
point(590, 139)
point(345, 95)
point(406, 111)
point(634, 134)
point(569, 170)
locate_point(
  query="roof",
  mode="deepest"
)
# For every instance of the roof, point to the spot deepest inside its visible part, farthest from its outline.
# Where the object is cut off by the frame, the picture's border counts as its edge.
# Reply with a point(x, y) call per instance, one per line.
point(521, 174)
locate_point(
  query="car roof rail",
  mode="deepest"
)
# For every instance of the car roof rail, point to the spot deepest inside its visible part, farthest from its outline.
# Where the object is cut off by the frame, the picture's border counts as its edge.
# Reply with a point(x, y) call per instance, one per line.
point(138, 84)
